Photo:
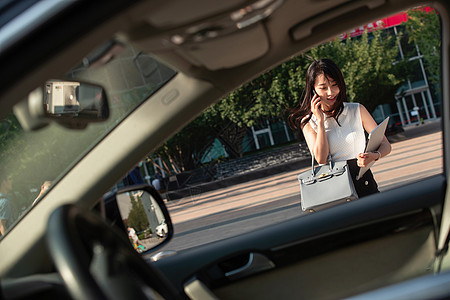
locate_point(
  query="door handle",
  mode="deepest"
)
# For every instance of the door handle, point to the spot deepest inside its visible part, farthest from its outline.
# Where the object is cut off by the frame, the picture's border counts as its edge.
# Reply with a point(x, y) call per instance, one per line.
point(257, 262)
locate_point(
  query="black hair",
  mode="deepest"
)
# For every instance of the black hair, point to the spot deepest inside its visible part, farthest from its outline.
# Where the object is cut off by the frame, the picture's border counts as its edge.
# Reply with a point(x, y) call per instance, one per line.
point(301, 114)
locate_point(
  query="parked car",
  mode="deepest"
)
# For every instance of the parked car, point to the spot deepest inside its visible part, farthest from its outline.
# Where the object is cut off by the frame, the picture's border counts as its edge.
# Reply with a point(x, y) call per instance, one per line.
point(162, 230)
point(155, 66)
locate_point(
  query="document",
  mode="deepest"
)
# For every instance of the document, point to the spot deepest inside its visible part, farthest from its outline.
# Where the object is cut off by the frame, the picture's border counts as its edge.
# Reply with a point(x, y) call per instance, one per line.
point(373, 143)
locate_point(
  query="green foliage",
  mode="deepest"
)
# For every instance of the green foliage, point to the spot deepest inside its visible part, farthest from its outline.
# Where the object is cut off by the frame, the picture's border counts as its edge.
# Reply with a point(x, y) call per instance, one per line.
point(424, 29)
point(137, 218)
point(32, 158)
point(370, 68)
point(288, 84)
point(9, 130)
point(266, 98)
point(185, 149)
point(229, 119)
point(367, 65)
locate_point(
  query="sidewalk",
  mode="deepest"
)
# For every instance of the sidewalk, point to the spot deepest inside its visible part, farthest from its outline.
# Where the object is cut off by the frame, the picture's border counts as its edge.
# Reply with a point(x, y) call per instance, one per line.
point(296, 163)
point(277, 197)
point(413, 131)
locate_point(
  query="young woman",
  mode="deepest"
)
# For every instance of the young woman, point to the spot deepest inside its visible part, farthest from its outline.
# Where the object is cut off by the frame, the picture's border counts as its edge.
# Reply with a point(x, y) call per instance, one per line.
point(333, 126)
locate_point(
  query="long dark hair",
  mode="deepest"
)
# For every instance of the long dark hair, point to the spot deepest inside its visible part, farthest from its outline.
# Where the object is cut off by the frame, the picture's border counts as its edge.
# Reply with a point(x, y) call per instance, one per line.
point(301, 114)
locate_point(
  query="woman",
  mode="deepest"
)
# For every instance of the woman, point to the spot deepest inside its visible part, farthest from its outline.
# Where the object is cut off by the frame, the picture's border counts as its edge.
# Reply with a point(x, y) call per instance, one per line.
point(333, 126)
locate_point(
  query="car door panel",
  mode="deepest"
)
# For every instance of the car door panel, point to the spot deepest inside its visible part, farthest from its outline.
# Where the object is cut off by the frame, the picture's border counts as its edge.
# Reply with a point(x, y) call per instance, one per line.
point(366, 244)
point(353, 269)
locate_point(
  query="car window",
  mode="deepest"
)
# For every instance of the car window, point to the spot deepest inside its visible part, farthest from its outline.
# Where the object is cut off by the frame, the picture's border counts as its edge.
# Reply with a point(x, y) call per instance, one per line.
point(32, 162)
point(234, 168)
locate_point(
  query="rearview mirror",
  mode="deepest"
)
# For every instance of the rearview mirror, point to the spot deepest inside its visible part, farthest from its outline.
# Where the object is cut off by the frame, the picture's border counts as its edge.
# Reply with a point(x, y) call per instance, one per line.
point(72, 104)
point(140, 211)
point(73, 99)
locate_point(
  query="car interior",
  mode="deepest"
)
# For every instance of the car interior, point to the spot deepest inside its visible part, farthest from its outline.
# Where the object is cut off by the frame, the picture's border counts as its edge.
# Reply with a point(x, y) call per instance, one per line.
point(391, 245)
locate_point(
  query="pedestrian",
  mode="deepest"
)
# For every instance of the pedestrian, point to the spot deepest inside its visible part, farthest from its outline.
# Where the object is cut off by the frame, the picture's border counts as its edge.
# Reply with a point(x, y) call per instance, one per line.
point(7, 211)
point(134, 177)
point(158, 181)
point(331, 125)
point(44, 188)
point(133, 236)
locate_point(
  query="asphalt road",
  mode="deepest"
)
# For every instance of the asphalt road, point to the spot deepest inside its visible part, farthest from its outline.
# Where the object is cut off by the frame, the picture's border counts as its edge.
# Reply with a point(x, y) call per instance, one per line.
point(228, 212)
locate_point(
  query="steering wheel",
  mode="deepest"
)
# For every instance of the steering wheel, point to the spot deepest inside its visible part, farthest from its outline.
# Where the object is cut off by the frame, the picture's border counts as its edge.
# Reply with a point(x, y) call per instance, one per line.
point(97, 261)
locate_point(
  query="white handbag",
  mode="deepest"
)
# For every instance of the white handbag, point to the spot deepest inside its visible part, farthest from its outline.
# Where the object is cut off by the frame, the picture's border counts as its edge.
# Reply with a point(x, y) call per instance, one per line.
point(326, 185)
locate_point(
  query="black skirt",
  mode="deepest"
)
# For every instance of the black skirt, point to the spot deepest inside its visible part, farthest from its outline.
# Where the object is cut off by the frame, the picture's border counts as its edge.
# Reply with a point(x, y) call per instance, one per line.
point(366, 185)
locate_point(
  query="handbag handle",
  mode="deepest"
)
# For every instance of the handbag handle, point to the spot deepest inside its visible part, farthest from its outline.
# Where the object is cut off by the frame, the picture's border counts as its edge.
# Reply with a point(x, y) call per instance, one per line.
point(312, 162)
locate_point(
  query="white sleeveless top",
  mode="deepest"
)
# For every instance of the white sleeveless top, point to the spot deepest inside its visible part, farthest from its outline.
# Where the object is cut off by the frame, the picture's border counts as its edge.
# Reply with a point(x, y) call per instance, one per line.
point(348, 140)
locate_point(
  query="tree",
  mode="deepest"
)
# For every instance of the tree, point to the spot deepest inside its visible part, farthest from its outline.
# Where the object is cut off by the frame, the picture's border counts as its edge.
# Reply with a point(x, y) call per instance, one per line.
point(137, 218)
point(185, 150)
point(288, 83)
point(367, 64)
point(267, 97)
point(424, 29)
point(229, 119)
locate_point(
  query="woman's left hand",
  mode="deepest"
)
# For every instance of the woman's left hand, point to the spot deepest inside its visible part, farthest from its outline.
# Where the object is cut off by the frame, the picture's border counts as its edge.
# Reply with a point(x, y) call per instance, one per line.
point(365, 159)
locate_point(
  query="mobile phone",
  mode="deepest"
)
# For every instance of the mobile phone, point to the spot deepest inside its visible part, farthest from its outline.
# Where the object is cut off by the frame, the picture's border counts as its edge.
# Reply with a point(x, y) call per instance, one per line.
point(314, 92)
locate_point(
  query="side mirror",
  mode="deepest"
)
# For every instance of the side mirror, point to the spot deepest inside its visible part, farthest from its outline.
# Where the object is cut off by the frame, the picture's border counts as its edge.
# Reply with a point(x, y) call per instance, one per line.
point(72, 104)
point(141, 213)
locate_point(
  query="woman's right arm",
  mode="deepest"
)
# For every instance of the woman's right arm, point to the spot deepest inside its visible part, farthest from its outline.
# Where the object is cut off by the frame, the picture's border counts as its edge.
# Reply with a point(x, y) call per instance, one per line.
point(317, 142)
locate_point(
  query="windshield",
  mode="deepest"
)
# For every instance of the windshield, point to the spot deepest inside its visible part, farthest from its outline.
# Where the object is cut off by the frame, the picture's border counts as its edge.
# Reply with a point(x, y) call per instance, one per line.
point(31, 162)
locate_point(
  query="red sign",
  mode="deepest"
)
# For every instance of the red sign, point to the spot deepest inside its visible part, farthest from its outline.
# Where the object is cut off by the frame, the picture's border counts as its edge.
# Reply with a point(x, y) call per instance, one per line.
point(381, 24)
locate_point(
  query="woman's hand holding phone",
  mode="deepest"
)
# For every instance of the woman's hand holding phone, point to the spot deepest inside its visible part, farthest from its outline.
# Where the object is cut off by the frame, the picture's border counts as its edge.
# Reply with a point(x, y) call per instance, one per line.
point(316, 108)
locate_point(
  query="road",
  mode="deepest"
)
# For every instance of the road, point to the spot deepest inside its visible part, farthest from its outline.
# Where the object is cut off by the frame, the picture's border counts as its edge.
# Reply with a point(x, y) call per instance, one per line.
point(240, 208)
